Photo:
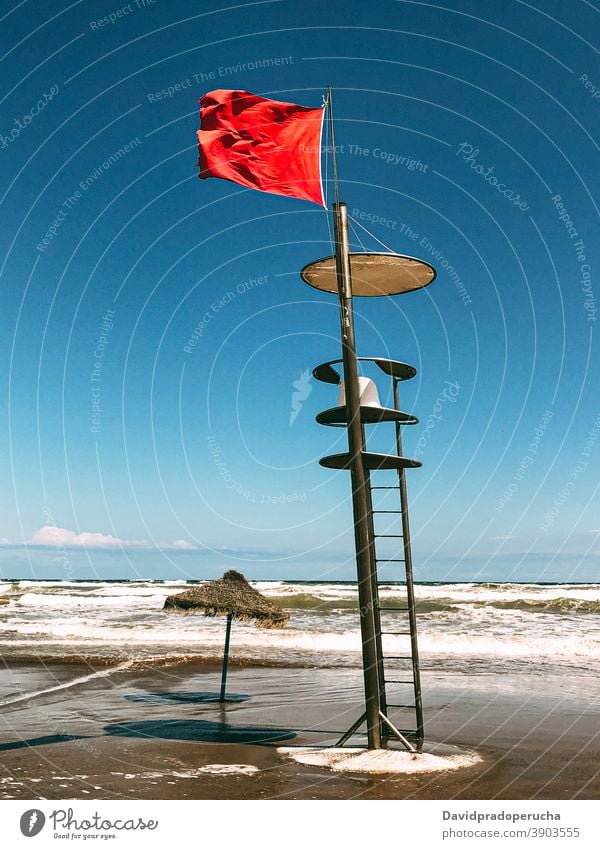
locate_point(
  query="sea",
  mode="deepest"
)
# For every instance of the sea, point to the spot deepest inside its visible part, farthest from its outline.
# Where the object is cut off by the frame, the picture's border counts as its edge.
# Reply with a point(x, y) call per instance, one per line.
point(490, 629)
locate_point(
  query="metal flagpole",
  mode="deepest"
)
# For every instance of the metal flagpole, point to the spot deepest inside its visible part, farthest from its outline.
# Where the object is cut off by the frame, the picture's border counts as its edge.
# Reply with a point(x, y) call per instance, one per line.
point(359, 474)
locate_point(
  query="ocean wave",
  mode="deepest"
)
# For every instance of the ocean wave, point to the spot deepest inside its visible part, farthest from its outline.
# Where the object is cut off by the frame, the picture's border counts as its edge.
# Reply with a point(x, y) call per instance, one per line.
point(469, 624)
point(448, 603)
point(110, 639)
point(559, 604)
point(309, 601)
point(149, 596)
point(133, 599)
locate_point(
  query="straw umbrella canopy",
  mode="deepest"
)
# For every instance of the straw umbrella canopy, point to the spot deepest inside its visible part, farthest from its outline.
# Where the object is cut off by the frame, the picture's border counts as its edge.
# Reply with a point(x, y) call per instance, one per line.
point(230, 596)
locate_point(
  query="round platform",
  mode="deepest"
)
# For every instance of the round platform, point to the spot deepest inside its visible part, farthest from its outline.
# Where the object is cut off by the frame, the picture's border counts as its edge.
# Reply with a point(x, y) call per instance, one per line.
point(400, 371)
point(337, 416)
point(372, 461)
point(373, 274)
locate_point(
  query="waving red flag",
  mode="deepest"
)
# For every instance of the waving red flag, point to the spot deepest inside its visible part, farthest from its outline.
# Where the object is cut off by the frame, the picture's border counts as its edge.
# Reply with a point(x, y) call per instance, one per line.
point(263, 144)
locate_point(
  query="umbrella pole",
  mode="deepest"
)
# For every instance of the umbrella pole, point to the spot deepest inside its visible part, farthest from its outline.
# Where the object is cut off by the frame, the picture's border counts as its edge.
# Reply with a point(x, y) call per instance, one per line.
point(225, 658)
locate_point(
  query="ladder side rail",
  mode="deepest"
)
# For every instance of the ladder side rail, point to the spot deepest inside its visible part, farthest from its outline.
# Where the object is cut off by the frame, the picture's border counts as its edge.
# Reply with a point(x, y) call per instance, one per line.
point(376, 613)
point(410, 593)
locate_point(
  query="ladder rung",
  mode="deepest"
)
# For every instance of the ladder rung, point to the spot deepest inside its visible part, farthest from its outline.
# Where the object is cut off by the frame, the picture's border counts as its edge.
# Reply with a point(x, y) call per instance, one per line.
point(395, 681)
point(387, 511)
point(390, 560)
point(398, 656)
point(384, 487)
point(393, 608)
point(404, 731)
point(401, 706)
point(390, 536)
point(396, 633)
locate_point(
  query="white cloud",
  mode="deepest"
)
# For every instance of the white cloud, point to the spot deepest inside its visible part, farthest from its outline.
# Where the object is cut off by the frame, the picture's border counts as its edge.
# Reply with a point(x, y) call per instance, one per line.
point(4, 541)
point(182, 544)
point(52, 535)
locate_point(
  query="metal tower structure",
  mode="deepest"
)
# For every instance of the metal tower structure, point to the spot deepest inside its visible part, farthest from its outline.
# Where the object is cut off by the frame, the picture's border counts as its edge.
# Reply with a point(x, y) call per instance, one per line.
point(371, 274)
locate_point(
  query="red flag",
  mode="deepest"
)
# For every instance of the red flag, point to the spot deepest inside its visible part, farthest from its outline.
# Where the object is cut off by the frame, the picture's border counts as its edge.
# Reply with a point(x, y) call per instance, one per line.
point(263, 144)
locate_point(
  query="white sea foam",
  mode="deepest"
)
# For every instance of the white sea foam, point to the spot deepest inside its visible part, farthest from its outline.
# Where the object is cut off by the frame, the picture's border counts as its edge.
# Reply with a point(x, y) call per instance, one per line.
point(209, 769)
point(380, 760)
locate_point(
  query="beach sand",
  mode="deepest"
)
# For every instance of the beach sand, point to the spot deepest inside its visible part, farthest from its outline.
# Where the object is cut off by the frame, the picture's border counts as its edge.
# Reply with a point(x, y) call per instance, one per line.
point(145, 732)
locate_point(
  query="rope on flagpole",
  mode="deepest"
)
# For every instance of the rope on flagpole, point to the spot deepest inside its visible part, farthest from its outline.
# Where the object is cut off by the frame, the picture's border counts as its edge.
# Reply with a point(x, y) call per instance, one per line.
point(326, 182)
point(372, 235)
point(326, 188)
point(356, 234)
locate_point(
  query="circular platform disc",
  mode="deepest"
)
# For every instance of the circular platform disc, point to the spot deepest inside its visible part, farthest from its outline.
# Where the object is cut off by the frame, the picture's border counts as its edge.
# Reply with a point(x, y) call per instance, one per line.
point(372, 274)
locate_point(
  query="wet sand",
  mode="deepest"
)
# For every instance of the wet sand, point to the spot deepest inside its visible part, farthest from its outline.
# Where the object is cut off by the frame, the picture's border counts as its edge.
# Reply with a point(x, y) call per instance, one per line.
point(156, 733)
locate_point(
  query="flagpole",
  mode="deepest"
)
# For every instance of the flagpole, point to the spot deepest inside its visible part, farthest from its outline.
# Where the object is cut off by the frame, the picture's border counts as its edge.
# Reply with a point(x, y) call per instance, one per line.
point(367, 598)
point(332, 133)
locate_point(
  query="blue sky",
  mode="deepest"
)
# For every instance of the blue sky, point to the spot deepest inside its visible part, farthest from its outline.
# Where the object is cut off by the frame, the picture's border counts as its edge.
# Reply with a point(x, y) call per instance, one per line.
point(124, 454)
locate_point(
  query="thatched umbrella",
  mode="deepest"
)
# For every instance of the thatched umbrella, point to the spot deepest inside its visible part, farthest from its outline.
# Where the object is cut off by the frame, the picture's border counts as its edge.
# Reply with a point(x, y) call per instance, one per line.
point(230, 596)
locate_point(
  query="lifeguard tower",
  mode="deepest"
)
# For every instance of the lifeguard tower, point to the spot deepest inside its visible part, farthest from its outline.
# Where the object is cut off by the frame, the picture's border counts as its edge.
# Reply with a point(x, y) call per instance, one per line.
point(387, 677)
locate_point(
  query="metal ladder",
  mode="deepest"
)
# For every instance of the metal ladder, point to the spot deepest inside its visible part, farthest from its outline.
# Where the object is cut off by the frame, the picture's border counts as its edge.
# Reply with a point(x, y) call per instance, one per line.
point(412, 675)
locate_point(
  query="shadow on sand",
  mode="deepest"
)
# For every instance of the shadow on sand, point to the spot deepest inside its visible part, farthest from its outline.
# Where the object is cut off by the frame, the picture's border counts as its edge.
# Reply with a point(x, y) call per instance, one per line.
point(40, 741)
point(199, 730)
point(186, 698)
